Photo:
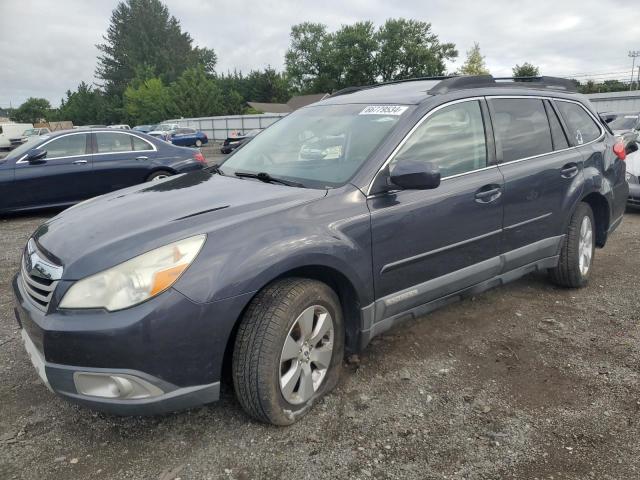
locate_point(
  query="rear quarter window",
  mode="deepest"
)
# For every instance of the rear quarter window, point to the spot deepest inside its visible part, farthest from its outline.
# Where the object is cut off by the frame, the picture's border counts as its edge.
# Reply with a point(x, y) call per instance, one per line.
point(582, 127)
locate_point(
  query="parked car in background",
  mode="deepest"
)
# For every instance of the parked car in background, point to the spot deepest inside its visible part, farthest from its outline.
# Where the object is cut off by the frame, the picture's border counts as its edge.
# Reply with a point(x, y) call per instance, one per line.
point(163, 131)
point(231, 143)
point(188, 137)
point(633, 174)
point(626, 125)
point(30, 132)
point(70, 166)
point(143, 128)
point(120, 127)
point(11, 130)
point(274, 264)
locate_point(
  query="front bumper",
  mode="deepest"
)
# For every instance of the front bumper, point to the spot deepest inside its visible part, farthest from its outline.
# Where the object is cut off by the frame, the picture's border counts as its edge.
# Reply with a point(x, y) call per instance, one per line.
point(169, 342)
point(634, 195)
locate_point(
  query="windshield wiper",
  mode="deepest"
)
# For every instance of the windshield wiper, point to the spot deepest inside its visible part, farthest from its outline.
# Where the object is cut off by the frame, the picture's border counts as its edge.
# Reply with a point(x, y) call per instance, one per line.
point(215, 168)
point(265, 177)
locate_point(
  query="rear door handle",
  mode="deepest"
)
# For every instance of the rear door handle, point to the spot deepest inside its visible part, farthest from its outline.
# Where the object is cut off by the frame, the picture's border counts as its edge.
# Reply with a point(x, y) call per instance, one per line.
point(142, 158)
point(488, 193)
point(79, 162)
point(569, 170)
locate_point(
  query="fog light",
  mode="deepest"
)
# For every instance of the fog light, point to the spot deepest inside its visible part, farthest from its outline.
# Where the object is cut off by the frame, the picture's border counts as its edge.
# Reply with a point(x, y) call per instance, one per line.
point(119, 386)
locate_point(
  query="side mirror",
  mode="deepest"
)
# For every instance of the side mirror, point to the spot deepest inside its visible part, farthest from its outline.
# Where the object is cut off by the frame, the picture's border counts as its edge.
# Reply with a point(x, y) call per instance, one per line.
point(414, 175)
point(36, 155)
point(631, 147)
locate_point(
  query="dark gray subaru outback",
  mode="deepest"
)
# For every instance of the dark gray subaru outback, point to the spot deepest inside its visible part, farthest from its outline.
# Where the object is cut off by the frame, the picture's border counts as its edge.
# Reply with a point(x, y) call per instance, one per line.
point(375, 205)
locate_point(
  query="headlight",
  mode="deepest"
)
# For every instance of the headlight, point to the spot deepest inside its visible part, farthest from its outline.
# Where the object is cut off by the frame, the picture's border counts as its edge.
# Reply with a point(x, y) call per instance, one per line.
point(135, 280)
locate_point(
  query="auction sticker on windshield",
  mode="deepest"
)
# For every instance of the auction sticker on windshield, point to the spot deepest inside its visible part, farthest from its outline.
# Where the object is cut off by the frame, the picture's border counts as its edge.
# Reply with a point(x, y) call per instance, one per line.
point(384, 110)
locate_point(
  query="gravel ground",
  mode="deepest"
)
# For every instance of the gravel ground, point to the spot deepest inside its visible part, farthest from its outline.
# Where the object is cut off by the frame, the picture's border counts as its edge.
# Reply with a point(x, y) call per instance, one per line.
point(526, 381)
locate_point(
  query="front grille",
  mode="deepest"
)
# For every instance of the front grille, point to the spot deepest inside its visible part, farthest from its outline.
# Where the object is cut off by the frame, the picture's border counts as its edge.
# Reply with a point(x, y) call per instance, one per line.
point(38, 289)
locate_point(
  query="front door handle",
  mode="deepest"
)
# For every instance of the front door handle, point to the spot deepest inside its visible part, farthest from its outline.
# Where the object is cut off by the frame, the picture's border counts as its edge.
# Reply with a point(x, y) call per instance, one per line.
point(142, 158)
point(488, 193)
point(570, 170)
point(79, 162)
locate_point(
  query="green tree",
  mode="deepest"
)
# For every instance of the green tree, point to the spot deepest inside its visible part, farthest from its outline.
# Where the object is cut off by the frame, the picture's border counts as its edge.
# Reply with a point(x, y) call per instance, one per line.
point(142, 34)
point(353, 55)
point(267, 86)
point(409, 49)
point(526, 70)
point(85, 106)
point(194, 94)
point(149, 103)
point(474, 65)
point(308, 61)
point(358, 54)
point(33, 110)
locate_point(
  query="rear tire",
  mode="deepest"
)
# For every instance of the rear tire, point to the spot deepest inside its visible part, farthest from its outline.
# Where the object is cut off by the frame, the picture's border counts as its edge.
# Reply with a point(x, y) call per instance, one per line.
point(159, 175)
point(288, 350)
point(198, 143)
point(576, 254)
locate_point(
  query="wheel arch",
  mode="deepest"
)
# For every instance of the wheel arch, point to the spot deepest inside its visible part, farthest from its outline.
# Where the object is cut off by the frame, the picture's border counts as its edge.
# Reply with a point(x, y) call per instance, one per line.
point(350, 301)
point(160, 168)
point(601, 214)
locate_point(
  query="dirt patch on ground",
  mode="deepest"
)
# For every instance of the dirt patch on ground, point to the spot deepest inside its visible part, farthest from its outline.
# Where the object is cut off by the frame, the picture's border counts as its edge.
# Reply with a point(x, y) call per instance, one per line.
point(526, 381)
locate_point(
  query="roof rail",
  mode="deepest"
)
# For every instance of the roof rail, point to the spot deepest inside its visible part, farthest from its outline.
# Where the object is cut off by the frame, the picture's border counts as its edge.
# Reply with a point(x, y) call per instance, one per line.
point(481, 81)
point(462, 82)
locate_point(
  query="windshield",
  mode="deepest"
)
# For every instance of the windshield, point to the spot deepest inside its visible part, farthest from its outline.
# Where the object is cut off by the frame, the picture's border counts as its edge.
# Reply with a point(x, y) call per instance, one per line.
point(25, 147)
point(628, 122)
point(29, 132)
point(164, 127)
point(319, 147)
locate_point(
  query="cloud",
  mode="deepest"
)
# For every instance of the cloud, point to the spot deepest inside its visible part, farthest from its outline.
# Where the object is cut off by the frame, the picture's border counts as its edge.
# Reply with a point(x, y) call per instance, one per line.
point(49, 47)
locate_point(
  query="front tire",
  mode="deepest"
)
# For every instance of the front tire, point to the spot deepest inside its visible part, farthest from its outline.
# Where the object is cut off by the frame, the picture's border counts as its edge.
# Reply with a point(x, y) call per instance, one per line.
point(576, 255)
point(288, 350)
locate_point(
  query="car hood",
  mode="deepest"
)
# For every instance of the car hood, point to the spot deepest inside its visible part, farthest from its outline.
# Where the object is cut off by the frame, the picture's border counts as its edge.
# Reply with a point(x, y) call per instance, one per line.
point(107, 230)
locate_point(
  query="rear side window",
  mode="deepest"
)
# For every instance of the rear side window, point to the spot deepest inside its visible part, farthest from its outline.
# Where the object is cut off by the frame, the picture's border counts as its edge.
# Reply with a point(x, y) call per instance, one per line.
point(557, 134)
point(582, 128)
point(140, 144)
point(67, 146)
point(521, 128)
point(452, 138)
point(113, 142)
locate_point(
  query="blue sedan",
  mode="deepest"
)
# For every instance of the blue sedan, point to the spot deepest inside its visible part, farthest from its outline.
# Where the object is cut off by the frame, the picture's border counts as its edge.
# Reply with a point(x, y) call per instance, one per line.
point(188, 137)
point(64, 168)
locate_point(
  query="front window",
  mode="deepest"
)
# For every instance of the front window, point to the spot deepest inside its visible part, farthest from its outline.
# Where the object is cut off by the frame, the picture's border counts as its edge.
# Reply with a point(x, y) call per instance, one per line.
point(66, 146)
point(452, 138)
point(320, 147)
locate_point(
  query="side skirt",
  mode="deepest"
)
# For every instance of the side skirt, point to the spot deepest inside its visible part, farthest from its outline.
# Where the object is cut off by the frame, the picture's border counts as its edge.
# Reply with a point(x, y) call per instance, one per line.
point(373, 328)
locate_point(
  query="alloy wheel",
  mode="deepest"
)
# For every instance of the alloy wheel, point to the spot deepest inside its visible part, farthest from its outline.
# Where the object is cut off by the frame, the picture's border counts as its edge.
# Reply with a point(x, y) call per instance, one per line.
point(585, 245)
point(306, 354)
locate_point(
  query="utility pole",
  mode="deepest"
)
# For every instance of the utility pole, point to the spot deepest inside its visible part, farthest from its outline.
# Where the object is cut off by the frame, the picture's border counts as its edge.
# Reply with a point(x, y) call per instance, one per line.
point(633, 54)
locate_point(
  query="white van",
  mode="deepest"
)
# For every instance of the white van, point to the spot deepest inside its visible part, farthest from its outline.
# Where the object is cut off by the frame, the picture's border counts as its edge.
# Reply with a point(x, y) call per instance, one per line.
point(11, 130)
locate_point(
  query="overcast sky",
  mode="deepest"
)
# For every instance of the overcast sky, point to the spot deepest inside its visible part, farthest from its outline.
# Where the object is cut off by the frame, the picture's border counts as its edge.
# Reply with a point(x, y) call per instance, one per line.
point(48, 46)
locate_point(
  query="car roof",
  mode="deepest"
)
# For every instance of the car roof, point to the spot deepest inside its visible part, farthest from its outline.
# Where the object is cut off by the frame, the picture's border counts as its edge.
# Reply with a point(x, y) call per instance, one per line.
point(419, 90)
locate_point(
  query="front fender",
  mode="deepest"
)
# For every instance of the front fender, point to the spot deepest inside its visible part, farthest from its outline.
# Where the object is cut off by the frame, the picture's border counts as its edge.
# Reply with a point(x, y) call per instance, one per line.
point(333, 233)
